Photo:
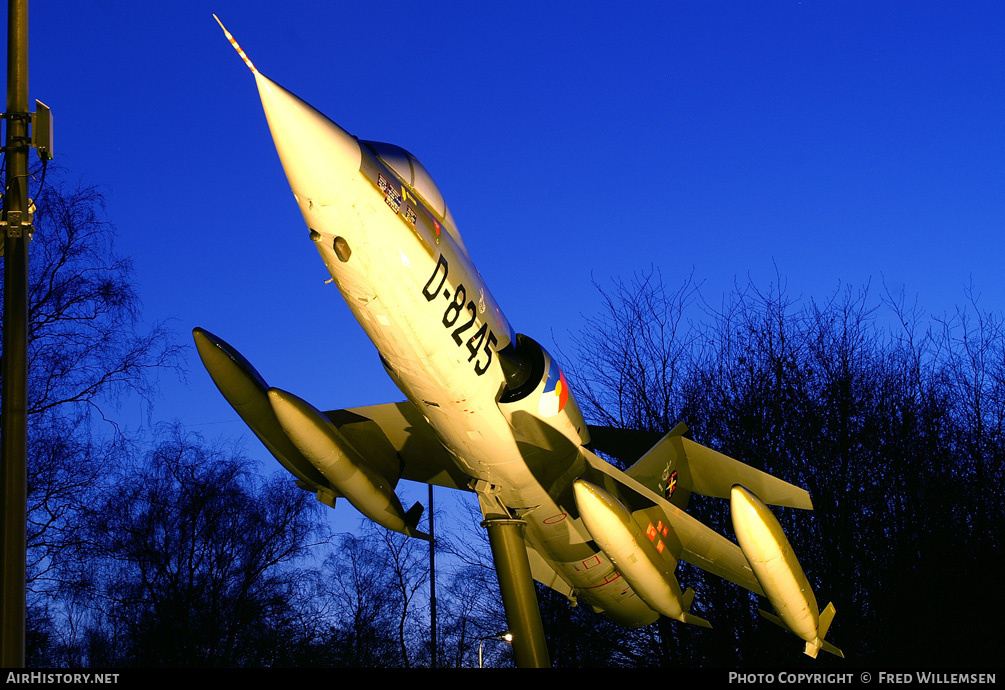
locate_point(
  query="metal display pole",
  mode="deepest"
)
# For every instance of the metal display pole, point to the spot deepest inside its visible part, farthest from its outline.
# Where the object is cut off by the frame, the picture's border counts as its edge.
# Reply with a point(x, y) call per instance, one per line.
point(509, 551)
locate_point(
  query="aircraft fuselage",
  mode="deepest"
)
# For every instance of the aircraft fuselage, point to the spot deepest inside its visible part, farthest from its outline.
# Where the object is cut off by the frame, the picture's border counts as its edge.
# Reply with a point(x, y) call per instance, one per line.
point(499, 418)
point(412, 287)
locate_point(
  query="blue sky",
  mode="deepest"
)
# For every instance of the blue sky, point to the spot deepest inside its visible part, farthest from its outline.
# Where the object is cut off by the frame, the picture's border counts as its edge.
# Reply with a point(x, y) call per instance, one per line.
point(841, 142)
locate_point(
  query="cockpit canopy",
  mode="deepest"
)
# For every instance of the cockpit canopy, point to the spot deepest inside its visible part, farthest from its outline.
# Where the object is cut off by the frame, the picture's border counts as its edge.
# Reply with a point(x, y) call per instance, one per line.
point(413, 173)
point(418, 179)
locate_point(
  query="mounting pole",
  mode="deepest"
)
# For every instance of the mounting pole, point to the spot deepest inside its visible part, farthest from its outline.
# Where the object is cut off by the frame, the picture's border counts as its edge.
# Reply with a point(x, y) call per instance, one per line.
point(13, 408)
point(523, 615)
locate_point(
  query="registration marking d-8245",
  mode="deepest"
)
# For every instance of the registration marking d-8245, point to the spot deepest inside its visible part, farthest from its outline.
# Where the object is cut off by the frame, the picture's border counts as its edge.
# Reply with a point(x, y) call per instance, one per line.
point(483, 339)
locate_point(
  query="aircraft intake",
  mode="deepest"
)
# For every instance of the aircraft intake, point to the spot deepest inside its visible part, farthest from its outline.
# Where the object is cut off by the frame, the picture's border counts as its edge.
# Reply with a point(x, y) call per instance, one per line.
point(522, 363)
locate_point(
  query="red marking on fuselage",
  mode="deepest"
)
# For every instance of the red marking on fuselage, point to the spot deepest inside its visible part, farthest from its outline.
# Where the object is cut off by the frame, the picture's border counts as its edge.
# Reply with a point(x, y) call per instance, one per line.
point(613, 577)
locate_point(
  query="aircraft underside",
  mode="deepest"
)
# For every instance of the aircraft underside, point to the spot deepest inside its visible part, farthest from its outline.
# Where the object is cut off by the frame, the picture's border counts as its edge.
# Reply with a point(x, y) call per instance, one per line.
point(489, 411)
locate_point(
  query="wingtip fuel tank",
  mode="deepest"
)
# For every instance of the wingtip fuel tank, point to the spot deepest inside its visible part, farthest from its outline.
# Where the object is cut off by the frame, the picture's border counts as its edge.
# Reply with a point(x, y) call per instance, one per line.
point(343, 466)
point(621, 538)
point(246, 391)
point(777, 569)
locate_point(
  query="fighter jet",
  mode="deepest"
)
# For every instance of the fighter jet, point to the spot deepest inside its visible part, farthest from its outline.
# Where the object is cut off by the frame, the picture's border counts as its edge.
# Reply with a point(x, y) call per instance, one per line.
point(489, 411)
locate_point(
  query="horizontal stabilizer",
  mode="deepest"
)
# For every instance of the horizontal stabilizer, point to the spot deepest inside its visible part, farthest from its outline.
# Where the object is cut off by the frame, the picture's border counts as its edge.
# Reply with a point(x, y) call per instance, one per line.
point(676, 466)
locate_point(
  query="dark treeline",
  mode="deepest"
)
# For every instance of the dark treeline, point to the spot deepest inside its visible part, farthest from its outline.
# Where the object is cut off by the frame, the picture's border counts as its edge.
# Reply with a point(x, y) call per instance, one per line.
point(894, 425)
point(176, 551)
point(173, 550)
point(188, 558)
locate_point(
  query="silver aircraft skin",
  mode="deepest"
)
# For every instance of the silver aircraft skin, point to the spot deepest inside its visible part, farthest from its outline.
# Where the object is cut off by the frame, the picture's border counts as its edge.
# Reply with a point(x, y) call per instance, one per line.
point(486, 410)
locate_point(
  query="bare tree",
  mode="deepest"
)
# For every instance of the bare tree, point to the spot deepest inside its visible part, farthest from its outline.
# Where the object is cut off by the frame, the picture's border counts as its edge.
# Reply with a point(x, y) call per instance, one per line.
point(86, 340)
point(357, 578)
point(897, 433)
point(633, 363)
point(87, 345)
point(194, 559)
point(471, 605)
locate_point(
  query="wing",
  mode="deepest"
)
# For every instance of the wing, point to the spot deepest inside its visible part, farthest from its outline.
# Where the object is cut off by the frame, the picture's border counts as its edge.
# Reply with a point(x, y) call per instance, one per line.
point(700, 545)
point(357, 454)
point(400, 428)
point(662, 479)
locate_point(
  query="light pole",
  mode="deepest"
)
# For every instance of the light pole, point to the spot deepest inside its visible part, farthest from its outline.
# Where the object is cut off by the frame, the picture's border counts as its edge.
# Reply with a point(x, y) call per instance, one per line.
point(432, 584)
point(13, 450)
point(15, 233)
point(505, 636)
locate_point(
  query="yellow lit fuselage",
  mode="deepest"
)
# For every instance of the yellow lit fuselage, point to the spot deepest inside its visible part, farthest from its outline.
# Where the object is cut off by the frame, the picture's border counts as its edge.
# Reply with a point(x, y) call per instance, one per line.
point(394, 253)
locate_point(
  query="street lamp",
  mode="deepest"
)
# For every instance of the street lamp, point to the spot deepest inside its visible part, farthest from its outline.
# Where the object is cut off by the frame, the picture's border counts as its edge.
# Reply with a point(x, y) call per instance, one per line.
point(505, 636)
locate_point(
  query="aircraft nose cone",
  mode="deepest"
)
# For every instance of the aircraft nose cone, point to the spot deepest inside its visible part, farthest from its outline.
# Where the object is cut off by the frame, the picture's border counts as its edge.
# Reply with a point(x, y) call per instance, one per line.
point(318, 156)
